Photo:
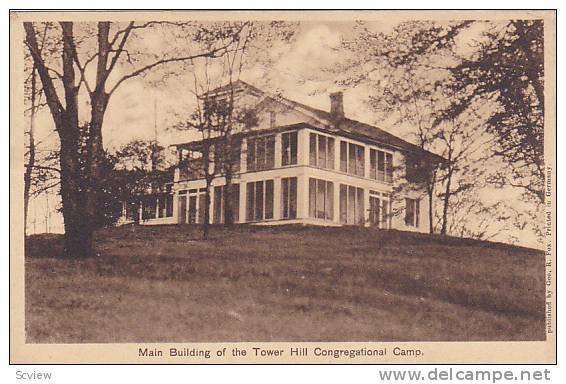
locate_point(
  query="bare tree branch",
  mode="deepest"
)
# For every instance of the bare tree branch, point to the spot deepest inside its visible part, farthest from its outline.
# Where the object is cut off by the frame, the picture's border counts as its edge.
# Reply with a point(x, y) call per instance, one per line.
point(214, 53)
point(49, 90)
point(82, 69)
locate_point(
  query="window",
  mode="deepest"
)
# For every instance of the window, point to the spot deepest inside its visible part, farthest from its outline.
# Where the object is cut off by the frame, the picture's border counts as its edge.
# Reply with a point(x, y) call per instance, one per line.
point(165, 206)
point(149, 205)
point(219, 206)
point(236, 153)
point(157, 206)
point(132, 210)
point(385, 216)
point(379, 207)
point(161, 200)
point(321, 151)
point(343, 156)
point(381, 165)
point(218, 210)
point(268, 210)
point(418, 169)
point(190, 165)
point(412, 208)
point(250, 201)
point(192, 215)
point(259, 200)
point(235, 192)
point(388, 167)
point(360, 160)
point(321, 199)
point(289, 198)
point(289, 148)
point(351, 205)
point(221, 151)
point(261, 153)
point(191, 206)
point(201, 207)
point(352, 158)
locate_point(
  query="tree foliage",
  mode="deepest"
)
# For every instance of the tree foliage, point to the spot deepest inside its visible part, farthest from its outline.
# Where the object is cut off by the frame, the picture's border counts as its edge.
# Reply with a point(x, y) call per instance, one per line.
point(502, 74)
point(471, 91)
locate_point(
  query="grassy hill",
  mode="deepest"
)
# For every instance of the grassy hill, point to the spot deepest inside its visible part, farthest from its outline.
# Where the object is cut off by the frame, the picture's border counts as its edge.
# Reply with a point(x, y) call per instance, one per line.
point(160, 284)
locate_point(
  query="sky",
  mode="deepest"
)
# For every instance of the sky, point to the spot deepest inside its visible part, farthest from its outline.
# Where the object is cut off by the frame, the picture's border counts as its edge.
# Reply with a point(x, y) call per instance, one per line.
point(143, 108)
point(296, 73)
point(139, 105)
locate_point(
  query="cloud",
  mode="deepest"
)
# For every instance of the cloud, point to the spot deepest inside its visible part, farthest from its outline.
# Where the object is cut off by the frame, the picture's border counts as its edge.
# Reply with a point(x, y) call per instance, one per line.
point(315, 48)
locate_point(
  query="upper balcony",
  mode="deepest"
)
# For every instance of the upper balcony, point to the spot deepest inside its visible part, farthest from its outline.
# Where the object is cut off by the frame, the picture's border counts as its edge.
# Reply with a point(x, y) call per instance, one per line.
point(298, 145)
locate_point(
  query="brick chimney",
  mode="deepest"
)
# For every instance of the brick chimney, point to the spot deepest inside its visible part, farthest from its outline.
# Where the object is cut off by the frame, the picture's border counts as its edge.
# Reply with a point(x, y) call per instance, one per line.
point(337, 105)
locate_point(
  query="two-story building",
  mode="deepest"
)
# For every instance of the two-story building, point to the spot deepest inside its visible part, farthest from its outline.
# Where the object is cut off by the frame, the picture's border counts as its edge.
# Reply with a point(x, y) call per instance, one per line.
point(304, 165)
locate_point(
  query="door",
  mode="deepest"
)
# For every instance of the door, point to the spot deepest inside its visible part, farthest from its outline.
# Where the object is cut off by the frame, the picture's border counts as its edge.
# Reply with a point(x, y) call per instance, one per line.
point(374, 208)
point(192, 209)
point(182, 211)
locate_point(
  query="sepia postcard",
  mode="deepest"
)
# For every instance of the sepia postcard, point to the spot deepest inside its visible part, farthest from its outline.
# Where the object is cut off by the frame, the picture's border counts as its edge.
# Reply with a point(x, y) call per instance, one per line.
point(311, 187)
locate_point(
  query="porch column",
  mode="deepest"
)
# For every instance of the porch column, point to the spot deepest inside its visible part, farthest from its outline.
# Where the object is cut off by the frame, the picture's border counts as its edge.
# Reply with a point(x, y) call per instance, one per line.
point(336, 153)
point(302, 196)
point(366, 207)
point(243, 189)
point(366, 161)
point(303, 147)
point(175, 197)
point(140, 213)
point(336, 208)
point(244, 156)
point(277, 197)
point(211, 208)
point(277, 154)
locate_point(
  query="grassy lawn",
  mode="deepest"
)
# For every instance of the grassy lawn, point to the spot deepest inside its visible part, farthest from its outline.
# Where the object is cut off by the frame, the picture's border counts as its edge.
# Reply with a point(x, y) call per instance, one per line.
point(165, 284)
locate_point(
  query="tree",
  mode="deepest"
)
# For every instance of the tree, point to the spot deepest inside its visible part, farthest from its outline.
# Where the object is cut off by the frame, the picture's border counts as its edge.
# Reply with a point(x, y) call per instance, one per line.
point(80, 193)
point(231, 113)
point(409, 94)
point(422, 76)
point(502, 70)
point(40, 175)
point(462, 171)
point(508, 69)
point(221, 112)
point(215, 119)
point(129, 173)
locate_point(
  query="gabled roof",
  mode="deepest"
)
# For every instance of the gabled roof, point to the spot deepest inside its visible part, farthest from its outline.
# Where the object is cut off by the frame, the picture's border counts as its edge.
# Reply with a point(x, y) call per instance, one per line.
point(352, 128)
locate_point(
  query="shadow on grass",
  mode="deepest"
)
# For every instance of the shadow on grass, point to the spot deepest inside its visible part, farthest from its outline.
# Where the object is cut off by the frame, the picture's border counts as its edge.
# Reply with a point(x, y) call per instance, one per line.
point(44, 246)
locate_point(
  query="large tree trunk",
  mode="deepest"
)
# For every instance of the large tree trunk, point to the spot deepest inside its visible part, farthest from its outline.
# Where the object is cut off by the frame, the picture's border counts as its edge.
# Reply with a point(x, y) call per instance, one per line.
point(78, 225)
point(95, 156)
point(95, 151)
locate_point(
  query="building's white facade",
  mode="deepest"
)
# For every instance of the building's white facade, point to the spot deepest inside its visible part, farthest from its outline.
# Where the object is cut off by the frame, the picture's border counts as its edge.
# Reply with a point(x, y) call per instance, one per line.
point(329, 177)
